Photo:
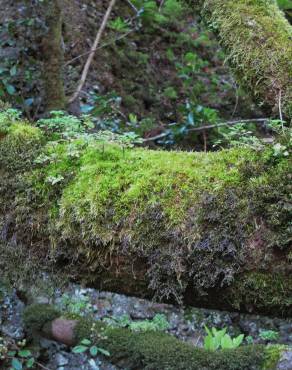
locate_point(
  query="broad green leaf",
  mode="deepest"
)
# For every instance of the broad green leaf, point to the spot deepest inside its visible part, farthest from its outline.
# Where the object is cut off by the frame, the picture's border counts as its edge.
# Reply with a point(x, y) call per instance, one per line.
point(93, 350)
point(237, 341)
point(79, 349)
point(226, 342)
point(16, 364)
point(10, 89)
point(86, 342)
point(104, 352)
point(24, 353)
point(30, 363)
point(13, 71)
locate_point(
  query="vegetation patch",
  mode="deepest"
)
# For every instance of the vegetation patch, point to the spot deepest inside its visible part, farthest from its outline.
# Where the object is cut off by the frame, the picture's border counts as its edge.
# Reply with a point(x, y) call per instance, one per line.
point(258, 42)
point(192, 219)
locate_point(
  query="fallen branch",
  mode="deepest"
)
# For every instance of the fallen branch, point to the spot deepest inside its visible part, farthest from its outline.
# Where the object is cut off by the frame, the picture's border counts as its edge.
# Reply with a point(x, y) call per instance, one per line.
point(209, 127)
point(93, 49)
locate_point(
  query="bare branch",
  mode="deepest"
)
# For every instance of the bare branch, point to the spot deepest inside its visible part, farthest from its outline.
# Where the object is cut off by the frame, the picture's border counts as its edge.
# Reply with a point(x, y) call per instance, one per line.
point(209, 127)
point(93, 49)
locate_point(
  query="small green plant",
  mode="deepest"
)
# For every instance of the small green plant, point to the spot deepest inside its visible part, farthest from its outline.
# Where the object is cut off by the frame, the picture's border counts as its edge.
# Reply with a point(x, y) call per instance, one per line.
point(158, 323)
point(87, 346)
point(7, 117)
point(66, 125)
point(76, 305)
point(238, 135)
point(216, 339)
point(249, 339)
point(269, 335)
point(16, 354)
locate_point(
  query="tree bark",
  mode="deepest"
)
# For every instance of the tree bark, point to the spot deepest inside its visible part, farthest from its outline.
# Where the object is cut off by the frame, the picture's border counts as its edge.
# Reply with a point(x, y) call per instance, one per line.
point(53, 57)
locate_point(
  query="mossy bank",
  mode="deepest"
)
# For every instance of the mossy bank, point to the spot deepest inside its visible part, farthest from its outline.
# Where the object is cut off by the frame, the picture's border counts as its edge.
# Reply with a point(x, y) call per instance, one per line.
point(257, 40)
point(211, 229)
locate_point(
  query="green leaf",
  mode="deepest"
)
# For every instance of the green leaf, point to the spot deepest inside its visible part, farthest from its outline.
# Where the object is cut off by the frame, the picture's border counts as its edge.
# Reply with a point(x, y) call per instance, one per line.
point(208, 330)
point(86, 342)
point(11, 353)
point(226, 342)
point(103, 351)
point(79, 349)
point(10, 89)
point(93, 350)
point(24, 353)
point(16, 364)
point(237, 341)
point(30, 363)
point(209, 343)
point(13, 71)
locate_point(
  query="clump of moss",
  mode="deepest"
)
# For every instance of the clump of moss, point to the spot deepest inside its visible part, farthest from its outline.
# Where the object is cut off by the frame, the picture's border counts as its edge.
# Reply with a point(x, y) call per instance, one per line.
point(270, 293)
point(272, 356)
point(157, 350)
point(257, 38)
point(37, 315)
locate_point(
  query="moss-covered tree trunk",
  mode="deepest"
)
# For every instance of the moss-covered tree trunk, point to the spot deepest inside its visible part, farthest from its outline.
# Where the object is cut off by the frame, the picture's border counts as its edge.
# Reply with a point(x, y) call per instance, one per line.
point(258, 42)
point(207, 229)
point(53, 57)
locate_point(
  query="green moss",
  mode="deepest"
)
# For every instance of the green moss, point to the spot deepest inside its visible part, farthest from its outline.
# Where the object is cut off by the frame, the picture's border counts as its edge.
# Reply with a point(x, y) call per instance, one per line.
point(156, 350)
point(36, 316)
point(257, 38)
point(268, 292)
point(272, 356)
point(188, 219)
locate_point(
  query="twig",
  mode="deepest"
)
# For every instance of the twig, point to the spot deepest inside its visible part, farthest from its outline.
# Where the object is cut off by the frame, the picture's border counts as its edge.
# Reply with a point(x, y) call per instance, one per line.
point(161, 5)
point(229, 123)
point(236, 102)
point(132, 6)
point(280, 109)
point(91, 55)
point(209, 127)
point(205, 141)
point(92, 51)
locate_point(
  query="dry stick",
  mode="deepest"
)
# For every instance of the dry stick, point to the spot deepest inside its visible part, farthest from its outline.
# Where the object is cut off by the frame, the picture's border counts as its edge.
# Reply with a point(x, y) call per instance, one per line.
point(91, 55)
point(92, 51)
point(280, 109)
point(203, 128)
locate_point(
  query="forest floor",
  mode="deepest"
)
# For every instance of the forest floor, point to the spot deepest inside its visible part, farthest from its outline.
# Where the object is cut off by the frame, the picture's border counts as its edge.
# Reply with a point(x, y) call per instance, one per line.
point(185, 323)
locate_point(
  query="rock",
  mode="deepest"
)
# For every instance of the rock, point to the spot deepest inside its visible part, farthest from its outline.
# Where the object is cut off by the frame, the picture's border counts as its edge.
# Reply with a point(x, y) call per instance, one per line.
point(63, 330)
point(285, 362)
point(93, 364)
point(42, 300)
point(61, 360)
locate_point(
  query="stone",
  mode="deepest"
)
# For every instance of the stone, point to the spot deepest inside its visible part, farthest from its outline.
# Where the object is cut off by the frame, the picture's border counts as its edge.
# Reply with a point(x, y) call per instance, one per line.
point(285, 362)
point(61, 360)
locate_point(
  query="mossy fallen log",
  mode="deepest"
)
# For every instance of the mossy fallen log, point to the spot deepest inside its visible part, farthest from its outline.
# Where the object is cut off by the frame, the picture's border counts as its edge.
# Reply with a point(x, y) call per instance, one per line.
point(146, 350)
point(207, 229)
point(257, 40)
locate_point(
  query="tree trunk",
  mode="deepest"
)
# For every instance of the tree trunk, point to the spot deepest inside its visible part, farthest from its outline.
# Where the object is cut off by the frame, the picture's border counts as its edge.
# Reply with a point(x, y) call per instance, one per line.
point(53, 58)
point(257, 39)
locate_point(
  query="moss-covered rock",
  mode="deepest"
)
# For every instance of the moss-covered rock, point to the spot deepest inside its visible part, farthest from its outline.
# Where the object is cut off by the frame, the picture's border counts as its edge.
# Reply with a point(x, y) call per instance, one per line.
point(171, 224)
point(257, 39)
